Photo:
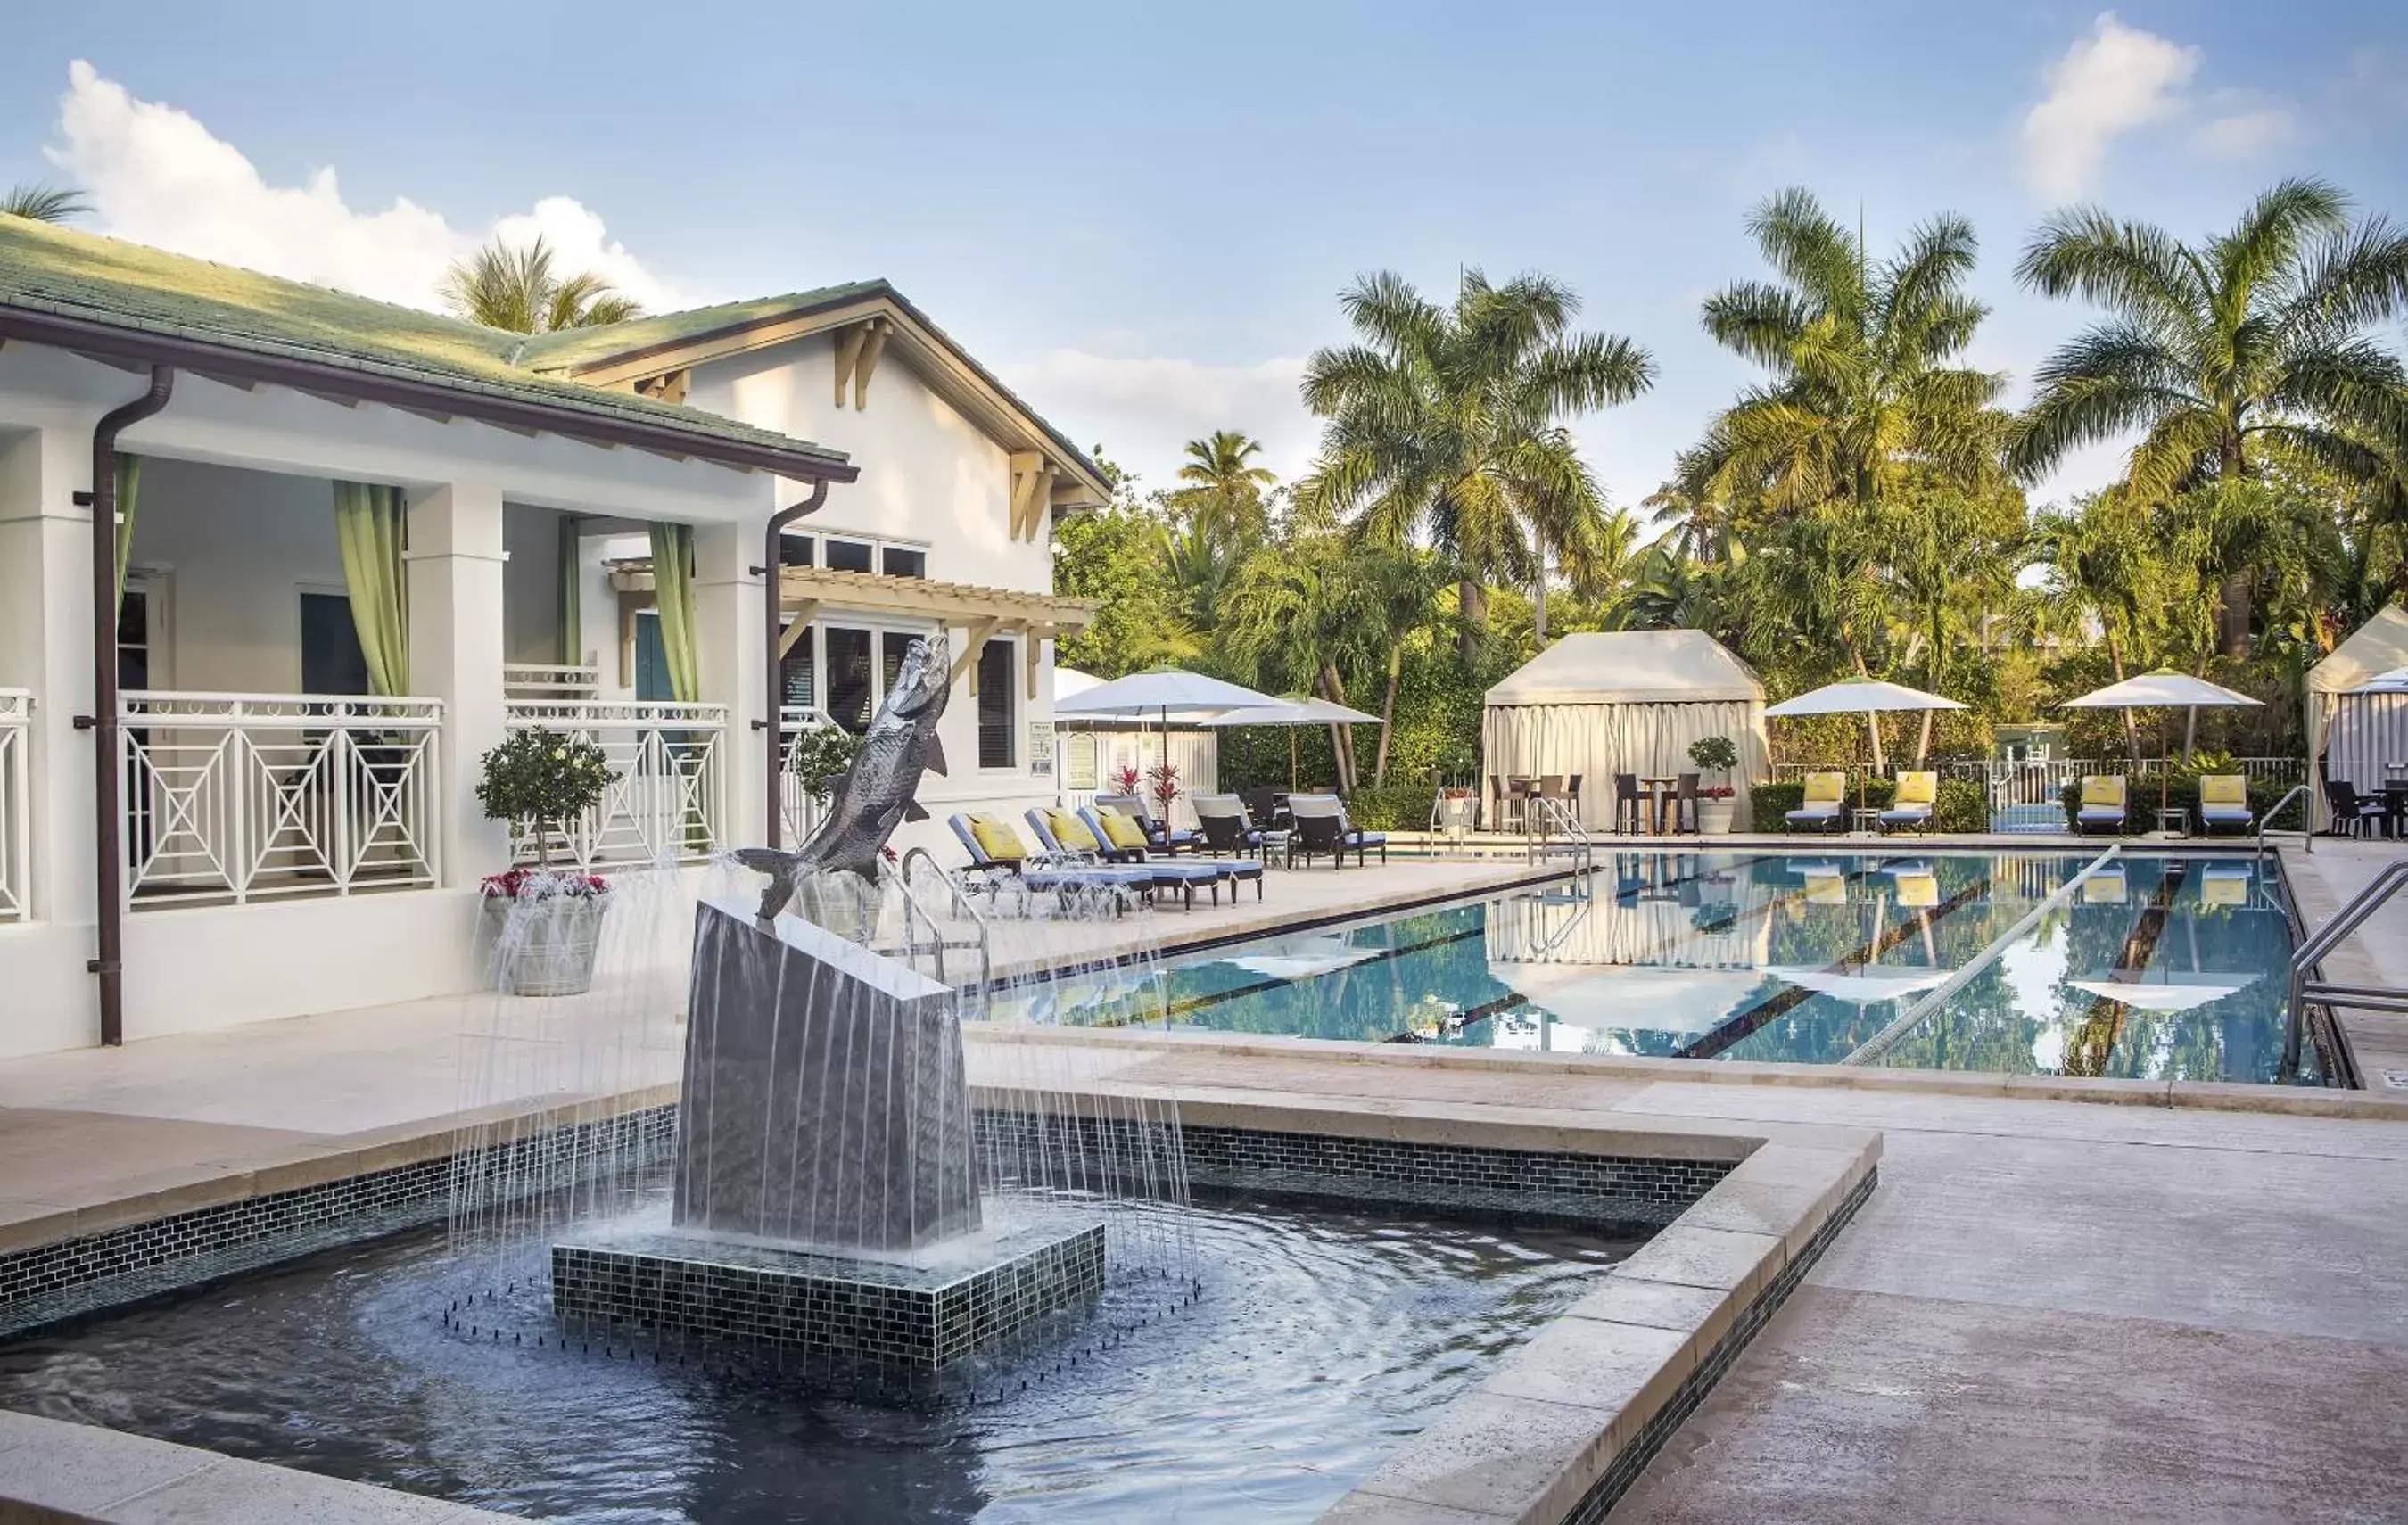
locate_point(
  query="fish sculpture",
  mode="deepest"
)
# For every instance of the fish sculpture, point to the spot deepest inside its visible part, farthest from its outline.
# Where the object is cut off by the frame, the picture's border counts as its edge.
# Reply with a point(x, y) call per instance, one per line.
point(875, 796)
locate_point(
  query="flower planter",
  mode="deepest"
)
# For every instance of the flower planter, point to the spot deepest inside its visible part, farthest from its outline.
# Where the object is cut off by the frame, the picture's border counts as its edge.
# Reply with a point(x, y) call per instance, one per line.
point(545, 944)
point(1714, 816)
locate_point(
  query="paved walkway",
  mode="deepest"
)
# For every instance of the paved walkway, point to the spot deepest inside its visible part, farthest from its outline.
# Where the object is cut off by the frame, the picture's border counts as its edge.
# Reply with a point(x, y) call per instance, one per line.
point(2323, 882)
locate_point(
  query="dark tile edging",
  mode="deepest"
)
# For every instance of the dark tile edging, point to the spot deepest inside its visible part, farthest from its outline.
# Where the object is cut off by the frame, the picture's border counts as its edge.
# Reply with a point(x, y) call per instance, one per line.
point(1634, 1459)
point(70, 1277)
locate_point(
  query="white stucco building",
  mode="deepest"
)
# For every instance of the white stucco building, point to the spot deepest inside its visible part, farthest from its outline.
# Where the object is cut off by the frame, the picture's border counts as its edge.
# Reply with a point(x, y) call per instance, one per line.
point(305, 693)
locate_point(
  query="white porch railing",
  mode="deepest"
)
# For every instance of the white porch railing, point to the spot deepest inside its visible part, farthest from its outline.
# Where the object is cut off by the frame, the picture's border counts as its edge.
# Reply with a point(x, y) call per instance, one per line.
point(669, 799)
point(544, 681)
point(16, 875)
point(234, 797)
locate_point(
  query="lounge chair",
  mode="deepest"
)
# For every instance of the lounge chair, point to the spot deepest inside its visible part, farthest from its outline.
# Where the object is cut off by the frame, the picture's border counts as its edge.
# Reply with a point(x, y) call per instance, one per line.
point(2102, 804)
point(2224, 803)
point(1825, 793)
point(1322, 831)
point(2352, 812)
point(1162, 838)
point(1229, 827)
point(1120, 838)
point(1911, 806)
point(999, 857)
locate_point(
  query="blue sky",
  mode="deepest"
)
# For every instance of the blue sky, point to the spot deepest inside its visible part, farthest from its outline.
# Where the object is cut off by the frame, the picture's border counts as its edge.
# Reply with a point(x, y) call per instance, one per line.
point(1141, 214)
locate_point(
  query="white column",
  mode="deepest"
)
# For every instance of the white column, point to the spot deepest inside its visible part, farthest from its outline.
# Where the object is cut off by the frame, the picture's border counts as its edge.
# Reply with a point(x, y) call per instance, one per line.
point(46, 646)
point(456, 655)
point(734, 667)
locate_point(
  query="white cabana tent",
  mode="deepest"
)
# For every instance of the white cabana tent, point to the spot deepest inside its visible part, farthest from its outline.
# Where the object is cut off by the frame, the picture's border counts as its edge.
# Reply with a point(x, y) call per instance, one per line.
point(1598, 703)
point(2357, 733)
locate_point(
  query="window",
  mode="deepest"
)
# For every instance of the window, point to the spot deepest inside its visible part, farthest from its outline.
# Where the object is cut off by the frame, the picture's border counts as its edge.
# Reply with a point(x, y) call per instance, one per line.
point(997, 710)
point(133, 637)
point(902, 561)
point(799, 675)
point(851, 683)
point(893, 646)
point(330, 659)
point(848, 555)
point(794, 550)
point(652, 660)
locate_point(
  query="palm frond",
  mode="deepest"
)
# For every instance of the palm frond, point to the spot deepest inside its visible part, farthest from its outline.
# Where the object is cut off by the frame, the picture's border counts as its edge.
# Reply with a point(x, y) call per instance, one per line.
point(37, 202)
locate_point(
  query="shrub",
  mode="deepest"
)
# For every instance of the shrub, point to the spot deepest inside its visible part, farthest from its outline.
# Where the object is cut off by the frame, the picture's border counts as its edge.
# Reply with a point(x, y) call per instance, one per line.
point(538, 780)
point(822, 755)
point(1714, 753)
point(1396, 807)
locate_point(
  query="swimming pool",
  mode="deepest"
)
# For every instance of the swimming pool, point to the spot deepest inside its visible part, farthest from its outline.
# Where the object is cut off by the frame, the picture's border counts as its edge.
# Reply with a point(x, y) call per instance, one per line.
point(2154, 967)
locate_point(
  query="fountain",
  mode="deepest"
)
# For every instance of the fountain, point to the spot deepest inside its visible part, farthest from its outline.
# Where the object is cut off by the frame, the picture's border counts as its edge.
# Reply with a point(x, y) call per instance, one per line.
point(826, 1187)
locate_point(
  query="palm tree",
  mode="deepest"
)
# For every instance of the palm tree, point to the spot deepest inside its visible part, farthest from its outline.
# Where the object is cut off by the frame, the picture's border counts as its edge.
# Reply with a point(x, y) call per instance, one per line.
point(1865, 401)
point(1297, 616)
point(41, 203)
point(515, 289)
point(2102, 574)
point(2248, 347)
point(1448, 421)
point(1224, 488)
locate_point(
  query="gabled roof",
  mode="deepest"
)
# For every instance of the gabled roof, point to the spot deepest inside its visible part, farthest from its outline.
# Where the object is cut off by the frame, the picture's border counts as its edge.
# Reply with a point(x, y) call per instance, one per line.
point(1631, 666)
point(618, 353)
point(106, 295)
point(2377, 646)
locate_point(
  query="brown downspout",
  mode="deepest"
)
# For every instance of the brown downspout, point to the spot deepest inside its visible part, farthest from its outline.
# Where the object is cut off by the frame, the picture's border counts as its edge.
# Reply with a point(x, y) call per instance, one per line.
point(103, 723)
point(774, 685)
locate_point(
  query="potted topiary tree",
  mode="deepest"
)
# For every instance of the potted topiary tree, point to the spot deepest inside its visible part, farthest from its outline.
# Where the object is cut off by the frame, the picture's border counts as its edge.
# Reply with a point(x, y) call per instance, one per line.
point(547, 923)
point(1716, 799)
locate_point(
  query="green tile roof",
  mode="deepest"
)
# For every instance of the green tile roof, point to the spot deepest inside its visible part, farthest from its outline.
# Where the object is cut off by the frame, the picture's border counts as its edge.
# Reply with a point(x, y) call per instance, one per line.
point(145, 291)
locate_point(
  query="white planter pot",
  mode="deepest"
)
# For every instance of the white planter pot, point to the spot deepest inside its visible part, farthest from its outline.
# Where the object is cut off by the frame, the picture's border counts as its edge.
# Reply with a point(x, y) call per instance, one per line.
point(1714, 816)
point(546, 946)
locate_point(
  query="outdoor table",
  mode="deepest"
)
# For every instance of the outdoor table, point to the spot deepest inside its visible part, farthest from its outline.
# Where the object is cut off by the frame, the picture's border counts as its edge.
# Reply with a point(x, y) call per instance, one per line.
point(2395, 810)
point(1865, 821)
point(1658, 792)
point(2174, 821)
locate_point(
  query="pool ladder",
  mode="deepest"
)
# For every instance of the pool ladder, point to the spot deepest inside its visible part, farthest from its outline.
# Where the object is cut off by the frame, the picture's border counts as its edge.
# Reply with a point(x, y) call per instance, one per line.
point(2307, 987)
point(1554, 828)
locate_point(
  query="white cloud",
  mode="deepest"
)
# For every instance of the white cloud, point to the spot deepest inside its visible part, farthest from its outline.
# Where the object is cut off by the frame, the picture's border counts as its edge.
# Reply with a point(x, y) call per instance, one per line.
point(1144, 411)
point(2114, 81)
point(156, 175)
point(2246, 134)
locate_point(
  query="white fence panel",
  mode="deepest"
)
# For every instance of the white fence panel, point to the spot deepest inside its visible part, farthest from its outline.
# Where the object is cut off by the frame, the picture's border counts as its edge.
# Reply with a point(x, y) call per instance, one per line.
point(234, 797)
point(667, 802)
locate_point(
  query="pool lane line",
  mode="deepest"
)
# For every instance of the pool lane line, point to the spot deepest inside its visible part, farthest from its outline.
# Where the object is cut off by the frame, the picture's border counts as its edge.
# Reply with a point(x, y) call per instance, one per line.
point(1735, 1029)
point(2105, 1020)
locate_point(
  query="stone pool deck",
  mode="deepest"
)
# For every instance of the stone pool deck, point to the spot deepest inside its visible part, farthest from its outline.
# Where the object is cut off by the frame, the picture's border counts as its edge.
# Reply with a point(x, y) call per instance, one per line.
point(2323, 882)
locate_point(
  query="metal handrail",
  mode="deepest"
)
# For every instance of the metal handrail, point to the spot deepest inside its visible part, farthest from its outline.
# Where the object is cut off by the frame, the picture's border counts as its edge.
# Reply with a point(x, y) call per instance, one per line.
point(2366, 903)
point(2307, 833)
point(900, 877)
point(1546, 816)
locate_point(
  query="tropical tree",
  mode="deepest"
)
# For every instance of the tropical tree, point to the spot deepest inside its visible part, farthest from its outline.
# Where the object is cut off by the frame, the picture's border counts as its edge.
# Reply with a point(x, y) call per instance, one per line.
point(1867, 412)
point(41, 203)
point(515, 288)
point(1447, 422)
point(2251, 347)
point(1225, 491)
point(2101, 575)
point(1297, 618)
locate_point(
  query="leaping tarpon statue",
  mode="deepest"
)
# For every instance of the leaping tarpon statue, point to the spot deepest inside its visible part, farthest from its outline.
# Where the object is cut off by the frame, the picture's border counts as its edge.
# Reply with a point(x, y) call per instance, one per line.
point(875, 796)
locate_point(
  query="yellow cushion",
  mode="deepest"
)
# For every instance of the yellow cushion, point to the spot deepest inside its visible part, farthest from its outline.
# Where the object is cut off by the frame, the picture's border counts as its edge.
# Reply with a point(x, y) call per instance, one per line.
point(2222, 789)
point(2104, 888)
point(1827, 889)
point(997, 838)
point(2221, 890)
point(2102, 789)
point(1917, 789)
point(1124, 833)
point(1070, 831)
point(1825, 788)
point(1918, 891)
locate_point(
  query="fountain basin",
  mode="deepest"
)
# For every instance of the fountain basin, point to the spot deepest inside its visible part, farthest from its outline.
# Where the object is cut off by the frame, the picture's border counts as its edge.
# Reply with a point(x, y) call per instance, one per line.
point(921, 1317)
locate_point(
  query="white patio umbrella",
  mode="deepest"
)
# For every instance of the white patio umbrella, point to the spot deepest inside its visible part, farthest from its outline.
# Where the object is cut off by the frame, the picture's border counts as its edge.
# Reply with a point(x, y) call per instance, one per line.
point(1292, 709)
point(2167, 995)
point(2163, 689)
point(1163, 692)
point(1867, 697)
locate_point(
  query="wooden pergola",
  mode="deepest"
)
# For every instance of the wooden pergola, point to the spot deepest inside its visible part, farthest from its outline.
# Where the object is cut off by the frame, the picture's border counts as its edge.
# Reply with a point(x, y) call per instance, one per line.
point(983, 613)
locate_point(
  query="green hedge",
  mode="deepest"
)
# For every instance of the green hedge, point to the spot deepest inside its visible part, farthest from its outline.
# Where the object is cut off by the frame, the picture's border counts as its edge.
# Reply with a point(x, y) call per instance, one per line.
point(2182, 789)
point(1963, 805)
point(1398, 807)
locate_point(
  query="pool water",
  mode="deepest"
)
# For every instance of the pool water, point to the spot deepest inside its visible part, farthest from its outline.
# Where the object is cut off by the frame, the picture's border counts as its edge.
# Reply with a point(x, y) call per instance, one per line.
point(1324, 1340)
point(2170, 967)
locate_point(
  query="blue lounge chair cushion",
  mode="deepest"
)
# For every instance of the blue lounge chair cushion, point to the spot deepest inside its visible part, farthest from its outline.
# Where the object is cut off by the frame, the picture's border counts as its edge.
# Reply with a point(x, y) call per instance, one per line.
point(1819, 814)
point(1908, 813)
point(2225, 812)
point(2098, 815)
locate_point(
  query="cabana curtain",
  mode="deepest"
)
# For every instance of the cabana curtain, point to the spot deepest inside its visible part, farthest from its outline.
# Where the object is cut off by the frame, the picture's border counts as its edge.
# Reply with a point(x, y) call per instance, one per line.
point(673, 599)
point(372, 527)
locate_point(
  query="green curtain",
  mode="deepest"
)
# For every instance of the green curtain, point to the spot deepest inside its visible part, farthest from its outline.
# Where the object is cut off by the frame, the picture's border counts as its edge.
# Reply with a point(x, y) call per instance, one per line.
point(372, 524)
point(673, 597)
point(572, 608)
point(129, 487)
